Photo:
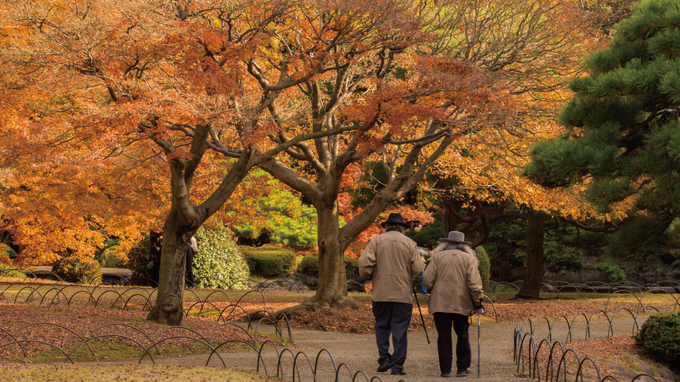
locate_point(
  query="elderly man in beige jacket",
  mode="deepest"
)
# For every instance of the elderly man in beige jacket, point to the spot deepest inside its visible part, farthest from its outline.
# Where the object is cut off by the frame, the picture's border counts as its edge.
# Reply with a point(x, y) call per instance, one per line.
point(394, 262)
point(455, 294)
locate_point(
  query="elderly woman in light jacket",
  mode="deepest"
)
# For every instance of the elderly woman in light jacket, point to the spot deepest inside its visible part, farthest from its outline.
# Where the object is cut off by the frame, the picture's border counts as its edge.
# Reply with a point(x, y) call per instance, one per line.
point(455, 294)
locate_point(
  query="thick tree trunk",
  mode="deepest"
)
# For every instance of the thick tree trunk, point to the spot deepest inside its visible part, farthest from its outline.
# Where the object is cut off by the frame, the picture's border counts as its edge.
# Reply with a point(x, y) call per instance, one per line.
point(331, 265)
point(182, 222)
point(332, 290)
point(533, 276)
point(169, 308)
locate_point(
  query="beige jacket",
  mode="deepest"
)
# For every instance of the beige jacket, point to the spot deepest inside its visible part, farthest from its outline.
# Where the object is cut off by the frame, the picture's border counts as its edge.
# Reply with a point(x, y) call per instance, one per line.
point(393, 261)
point(454, 281)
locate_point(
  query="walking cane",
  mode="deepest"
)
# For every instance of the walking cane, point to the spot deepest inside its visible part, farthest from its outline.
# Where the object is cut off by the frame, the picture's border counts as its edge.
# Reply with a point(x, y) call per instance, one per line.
point(479, 326)
point(421, 314)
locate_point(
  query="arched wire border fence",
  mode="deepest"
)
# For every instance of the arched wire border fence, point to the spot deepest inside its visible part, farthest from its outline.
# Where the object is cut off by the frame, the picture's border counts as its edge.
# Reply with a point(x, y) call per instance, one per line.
point(548, 286)
point(143, 298)
point(302, 364)
point(50, 294)
point(527, 347)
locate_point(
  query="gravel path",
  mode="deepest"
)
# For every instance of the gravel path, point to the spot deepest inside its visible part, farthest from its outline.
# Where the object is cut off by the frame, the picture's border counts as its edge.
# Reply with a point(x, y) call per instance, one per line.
point(359, 352)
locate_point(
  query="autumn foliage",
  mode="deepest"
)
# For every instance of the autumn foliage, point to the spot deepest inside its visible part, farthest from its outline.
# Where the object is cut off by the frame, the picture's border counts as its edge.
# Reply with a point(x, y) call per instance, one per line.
point(122, 117)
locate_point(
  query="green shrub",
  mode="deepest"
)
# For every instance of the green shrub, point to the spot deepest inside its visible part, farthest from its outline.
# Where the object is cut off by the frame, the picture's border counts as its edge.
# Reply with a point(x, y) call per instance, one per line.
point(269, 261)
point(484, 265)
point(76, 270)
point(428, 236)
point(219, 263)
point(109, 259)
point(6, 250)
point(660, 335)
point(7, 269)
point(611, 270)
point(310, 266)
point(140, 264)
point(351, 267)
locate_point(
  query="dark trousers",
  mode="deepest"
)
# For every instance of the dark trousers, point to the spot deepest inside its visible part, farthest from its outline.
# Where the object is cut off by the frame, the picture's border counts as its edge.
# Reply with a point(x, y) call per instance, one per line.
point(443, 321)
point(392, 318)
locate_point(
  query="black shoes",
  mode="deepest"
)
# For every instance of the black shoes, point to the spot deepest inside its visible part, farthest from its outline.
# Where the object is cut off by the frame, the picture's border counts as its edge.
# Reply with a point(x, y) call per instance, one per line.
point(398, 372)
point(463, 372)
point(446, 375)
point(383, 367)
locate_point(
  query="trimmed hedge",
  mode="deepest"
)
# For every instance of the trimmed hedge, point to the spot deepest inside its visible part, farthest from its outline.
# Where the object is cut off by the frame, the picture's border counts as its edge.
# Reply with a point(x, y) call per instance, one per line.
point(484, 265)
point(611, 270)
point(269, 261)
point(6, 250)
point(76, 270)
point(660, 335)
point(7, 268)
point(310, 266)
point(219, 263)
point(109, 259)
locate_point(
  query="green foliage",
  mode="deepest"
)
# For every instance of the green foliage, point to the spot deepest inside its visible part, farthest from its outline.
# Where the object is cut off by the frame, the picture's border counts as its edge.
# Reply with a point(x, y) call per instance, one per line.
point(109, 247)
point(76, 270)
point(140, 264)
point(9, 270)
point(612, 270)
point(623, 134)
point(484, 265)
point(660, 335)
point(6, 250)
point(557, 251)
point(269, 261)
point(109, 259)
point(429, 235)
point(310, 266)
point(219, 263)
point(351, 267)
point(288, 221)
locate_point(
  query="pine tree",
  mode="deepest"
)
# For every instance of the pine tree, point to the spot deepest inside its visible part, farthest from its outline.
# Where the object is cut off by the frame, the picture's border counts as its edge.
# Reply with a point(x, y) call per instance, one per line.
point(622, 139)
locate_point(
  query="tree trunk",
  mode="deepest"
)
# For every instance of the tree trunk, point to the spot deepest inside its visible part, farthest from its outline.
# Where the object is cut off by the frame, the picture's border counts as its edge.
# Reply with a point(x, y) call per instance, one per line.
point(169, 307)
point(502, 254)
point(332, 290)
point(533, 276)
point(332, 287)
point(449, 220)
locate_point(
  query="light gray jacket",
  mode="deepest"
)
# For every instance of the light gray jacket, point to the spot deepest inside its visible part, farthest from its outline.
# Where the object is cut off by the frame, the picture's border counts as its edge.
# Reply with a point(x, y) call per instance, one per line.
point(393, 261)
point(454, 281)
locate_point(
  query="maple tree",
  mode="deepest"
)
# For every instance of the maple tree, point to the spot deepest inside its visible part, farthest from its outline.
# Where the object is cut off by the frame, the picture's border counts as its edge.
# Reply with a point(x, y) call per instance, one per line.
point(409, 103)
point(177, 90)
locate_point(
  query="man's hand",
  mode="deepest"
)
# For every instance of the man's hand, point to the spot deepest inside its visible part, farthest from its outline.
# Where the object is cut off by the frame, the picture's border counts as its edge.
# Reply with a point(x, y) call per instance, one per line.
point(479, 307)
